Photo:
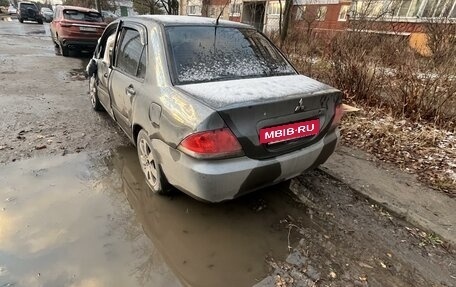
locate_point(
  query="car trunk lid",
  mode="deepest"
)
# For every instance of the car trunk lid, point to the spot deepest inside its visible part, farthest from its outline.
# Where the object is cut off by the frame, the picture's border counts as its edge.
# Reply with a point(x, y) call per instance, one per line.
point(250, 105)
point(84, 27)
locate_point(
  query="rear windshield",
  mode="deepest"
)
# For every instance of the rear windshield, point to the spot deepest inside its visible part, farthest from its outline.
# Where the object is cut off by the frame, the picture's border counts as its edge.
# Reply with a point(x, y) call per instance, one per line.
point(204, 54)
point(82, 16)
point(28, 5)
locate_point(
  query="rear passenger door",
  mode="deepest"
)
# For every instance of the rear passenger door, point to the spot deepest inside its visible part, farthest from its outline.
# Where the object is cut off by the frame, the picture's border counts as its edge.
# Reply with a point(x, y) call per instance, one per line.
point(127, 77)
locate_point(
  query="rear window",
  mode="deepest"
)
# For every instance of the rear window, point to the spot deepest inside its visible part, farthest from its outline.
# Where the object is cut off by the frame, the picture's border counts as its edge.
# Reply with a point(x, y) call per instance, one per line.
point(82, 16)
point(27, 5)
point(204, 54)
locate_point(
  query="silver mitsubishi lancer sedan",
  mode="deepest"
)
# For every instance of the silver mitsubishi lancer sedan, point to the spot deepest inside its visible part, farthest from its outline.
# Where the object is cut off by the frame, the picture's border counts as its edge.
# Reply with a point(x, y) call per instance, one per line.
point(213, 107)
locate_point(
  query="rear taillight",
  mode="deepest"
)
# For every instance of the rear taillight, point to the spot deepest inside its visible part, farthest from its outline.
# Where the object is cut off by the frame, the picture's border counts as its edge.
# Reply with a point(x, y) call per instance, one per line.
point(338, 113)
point(211, 144)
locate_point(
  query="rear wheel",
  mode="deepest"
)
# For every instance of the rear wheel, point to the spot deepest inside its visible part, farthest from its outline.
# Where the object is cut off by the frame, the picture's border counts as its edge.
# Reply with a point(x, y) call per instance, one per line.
point(64, 50)
point(149, 165)
point(96, 105)
point(20, 20)
point(40, 22)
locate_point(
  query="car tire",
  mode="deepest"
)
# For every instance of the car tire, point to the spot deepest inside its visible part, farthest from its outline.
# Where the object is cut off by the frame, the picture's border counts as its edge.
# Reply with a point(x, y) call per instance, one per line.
point(64, 51)
point(150, 167)
point(40, 22)
point(96, 105)
point(20, 20)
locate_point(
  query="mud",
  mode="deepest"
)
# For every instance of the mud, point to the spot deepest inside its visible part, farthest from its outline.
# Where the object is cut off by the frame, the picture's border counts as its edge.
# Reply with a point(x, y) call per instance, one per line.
point(44, 104)
point(89, 219)
point(78, 213)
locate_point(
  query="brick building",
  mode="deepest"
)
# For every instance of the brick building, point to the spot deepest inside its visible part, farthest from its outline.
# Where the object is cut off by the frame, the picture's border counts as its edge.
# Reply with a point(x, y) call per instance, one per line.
point(404, 17)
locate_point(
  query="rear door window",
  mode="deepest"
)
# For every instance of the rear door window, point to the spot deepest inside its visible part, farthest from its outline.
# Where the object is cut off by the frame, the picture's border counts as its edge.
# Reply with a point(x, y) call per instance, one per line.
point(82, 16)
point(129, 54)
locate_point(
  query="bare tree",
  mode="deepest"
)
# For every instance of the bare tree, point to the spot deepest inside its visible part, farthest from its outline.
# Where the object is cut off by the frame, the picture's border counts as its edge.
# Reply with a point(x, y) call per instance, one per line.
point(147, 6)
point(286, 20)
point(171, 7)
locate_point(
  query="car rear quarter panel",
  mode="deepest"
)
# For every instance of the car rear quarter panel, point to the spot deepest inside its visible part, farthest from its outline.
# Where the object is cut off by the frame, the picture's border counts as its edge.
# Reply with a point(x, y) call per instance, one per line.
point(178, 114)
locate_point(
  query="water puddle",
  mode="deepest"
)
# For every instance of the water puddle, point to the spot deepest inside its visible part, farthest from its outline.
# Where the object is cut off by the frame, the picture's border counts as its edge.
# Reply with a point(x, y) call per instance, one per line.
point(89, 220)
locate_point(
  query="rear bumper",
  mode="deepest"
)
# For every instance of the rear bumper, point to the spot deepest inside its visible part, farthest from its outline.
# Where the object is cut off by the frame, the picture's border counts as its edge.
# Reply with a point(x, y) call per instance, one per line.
point(26, 18)
point(75, 43)
point(219, 180)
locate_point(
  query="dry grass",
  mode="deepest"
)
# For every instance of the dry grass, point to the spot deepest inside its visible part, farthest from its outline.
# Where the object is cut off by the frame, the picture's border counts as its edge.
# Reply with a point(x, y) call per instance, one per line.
point(417, 148)
point(409, 100)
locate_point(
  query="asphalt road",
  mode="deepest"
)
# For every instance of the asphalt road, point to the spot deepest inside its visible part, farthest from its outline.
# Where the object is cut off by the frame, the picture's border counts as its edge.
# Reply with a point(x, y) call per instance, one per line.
point(74, 209)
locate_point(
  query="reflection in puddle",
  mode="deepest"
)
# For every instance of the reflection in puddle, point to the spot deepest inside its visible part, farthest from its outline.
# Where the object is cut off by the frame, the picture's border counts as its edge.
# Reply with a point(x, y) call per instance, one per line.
point(209, 244)
point(83, 220)
point(61, 229)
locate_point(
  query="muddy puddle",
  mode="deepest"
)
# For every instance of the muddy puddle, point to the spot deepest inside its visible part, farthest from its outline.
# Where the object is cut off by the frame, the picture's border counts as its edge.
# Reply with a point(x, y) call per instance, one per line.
point(88, 220)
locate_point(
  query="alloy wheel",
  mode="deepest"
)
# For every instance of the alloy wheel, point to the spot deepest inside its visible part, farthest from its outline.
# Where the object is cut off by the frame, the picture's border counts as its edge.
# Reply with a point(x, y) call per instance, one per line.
point(148, 163)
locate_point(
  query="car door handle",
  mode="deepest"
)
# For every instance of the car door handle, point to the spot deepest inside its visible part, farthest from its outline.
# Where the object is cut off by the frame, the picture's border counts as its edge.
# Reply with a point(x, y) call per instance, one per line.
point(130, 91)
point(105, 75)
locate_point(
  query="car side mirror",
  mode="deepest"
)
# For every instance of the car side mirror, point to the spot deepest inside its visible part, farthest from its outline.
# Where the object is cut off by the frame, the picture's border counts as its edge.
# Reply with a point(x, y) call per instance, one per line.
point(91, 68)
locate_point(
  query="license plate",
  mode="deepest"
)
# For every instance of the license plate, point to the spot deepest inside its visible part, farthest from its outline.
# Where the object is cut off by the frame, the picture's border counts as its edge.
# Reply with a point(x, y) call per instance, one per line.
point(289, 131)
point(88, 29)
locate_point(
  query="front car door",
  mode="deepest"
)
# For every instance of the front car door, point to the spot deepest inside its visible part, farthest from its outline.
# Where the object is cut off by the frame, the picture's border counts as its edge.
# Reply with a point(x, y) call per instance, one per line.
point(103, 58)
point(127, 77)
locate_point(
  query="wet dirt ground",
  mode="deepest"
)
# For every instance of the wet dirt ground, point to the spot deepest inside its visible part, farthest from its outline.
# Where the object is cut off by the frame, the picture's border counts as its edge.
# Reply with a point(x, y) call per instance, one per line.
point(43, 98)
point(75, 211)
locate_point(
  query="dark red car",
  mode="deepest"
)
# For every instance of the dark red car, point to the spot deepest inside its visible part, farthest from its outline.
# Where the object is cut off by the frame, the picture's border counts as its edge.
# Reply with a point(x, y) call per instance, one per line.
point(76, 28)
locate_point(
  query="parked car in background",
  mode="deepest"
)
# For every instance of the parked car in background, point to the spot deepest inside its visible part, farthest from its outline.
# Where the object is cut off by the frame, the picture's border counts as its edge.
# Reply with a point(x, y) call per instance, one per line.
point(47, 13)
point(27, 11)
point(12, 10)
point(76, 28)
point(214, 109)
point(108, 16)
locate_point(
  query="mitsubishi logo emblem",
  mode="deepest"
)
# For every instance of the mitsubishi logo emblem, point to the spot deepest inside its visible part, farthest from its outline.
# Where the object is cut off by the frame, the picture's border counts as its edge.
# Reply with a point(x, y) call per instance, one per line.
point(300, 107)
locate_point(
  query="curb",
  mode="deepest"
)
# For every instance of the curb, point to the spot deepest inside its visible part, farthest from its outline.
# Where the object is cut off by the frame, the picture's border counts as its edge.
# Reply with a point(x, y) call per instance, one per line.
point(397, 192)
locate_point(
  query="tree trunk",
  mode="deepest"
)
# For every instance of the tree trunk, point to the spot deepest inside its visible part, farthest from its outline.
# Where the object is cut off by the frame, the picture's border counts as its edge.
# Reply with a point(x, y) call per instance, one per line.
point(286, 20)
point(280, 19)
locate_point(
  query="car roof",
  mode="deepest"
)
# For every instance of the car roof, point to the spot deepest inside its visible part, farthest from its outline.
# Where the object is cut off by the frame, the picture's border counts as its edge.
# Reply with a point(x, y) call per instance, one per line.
point(174, 20)
point(82, 9)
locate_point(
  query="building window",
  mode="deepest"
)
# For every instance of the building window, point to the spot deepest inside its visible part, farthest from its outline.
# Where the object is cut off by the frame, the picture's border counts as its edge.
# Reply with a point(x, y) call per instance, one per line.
point(300, 12)
point(344, 12)
point(194, 10)
point(444, 8)
point(274, 8)
point(453, 12)
point(374, 8)
point(321, 13)
point(439, 8)
point(404, 8)
point(415, 8)
point(235, 9)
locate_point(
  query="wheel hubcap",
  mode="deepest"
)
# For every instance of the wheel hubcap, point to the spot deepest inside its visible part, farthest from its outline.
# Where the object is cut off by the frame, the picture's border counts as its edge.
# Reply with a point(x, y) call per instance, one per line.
point(147, 161)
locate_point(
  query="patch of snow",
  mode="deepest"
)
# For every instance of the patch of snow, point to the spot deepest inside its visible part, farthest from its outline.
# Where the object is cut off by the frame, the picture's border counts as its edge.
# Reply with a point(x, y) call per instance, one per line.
point(227, 66)
point(226, 93)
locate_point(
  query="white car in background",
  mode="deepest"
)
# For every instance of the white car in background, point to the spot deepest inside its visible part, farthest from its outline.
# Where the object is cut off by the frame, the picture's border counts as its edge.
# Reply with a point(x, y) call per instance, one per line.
point(12, 10)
